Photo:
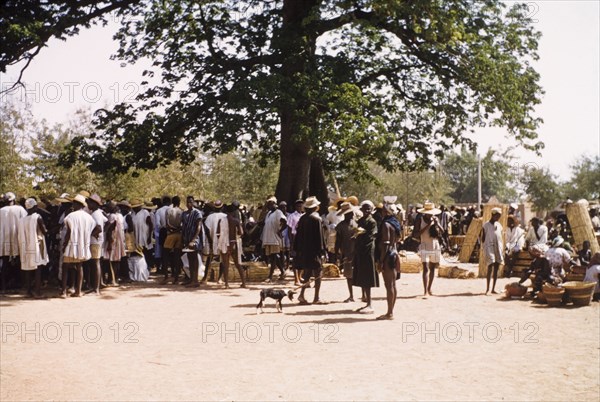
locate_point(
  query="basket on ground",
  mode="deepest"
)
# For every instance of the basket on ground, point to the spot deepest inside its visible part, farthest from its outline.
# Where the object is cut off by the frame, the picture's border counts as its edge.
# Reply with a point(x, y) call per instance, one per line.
point(410, 262)
point(515, 289)
point(580, 292)
point(553, 295)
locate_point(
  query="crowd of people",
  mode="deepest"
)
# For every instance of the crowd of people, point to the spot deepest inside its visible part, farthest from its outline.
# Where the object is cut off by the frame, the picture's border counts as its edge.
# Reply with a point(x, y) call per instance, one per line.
point(85, 243)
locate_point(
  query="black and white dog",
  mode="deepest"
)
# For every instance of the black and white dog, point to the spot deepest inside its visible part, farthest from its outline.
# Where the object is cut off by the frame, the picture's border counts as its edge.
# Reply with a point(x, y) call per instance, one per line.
point(277, 294)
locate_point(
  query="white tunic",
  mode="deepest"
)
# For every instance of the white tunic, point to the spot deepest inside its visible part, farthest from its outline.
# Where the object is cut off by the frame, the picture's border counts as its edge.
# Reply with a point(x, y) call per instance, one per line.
point(270, 235)
point(219, 243)
point(9, 227)
point(32, 244)
point(81, 225)
point(515, 239)
point(141, 229)
point(100, 220)
point(492, 245)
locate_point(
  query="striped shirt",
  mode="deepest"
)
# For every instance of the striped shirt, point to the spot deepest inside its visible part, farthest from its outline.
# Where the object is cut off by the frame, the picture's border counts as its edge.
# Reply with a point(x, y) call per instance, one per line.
point(189, 224)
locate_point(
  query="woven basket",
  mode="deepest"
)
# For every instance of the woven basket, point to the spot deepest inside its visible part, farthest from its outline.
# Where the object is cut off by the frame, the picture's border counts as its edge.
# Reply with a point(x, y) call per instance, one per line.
point(410, 262)
point(331, 271)
point(553, 294)
point(581, 225)
point(580, 293)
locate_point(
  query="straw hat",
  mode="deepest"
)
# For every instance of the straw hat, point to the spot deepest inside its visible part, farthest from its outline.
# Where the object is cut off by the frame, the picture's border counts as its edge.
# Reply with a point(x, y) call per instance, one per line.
point(311, 202)
point(331, 208)
point(124, 203)
point(429, 209)
point(64, 198)
point(149, 206)
point(345, 208)
point(80, 199)
point(353, 200)
point(96, 198)
point(85, 193)
point(135, 203)
point(339, 199)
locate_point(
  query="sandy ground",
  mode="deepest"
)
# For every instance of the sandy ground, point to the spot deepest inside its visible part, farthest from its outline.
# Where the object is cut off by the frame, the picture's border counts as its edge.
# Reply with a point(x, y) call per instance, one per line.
point(152, 342)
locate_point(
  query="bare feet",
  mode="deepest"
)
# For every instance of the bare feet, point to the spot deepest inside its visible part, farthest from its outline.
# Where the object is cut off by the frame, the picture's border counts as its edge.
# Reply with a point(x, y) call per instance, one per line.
point(303, 301)
point(494, 292)
point(348, 300)
point(385, 317)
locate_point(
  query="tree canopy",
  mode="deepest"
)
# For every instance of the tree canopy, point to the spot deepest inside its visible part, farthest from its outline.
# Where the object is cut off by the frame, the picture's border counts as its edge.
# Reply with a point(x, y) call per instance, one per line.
point(322, 85)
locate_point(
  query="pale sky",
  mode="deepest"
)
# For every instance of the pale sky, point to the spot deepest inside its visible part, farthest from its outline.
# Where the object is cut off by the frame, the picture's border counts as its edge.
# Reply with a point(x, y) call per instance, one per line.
point(76, 73)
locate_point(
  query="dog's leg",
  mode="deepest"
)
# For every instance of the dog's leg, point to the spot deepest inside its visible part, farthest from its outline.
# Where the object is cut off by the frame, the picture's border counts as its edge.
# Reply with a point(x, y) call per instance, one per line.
point(260, 305)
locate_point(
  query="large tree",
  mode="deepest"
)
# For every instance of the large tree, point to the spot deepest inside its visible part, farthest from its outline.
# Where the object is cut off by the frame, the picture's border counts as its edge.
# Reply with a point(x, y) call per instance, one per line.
point(323, 85)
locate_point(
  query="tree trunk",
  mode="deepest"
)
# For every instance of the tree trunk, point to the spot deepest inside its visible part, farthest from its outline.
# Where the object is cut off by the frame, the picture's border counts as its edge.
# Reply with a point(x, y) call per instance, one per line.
point(294, 168)
point(295, 179)
point(316, 182)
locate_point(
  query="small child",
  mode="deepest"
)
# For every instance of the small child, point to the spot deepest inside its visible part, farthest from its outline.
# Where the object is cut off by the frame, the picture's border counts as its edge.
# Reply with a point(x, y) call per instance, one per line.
point(585, 255)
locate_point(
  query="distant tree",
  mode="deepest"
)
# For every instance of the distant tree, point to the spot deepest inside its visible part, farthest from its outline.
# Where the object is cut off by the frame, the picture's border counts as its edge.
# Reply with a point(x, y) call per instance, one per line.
point(47, 145)
point(409, 187)
point(497, 176)
point(542, 188)
point(13, 146)
point(585, 179)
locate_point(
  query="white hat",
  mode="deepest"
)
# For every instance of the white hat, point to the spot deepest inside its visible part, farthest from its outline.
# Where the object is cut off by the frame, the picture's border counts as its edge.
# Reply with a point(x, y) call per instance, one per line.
point(311, 202)
point(80, 199)
point(10, 196)
point(367, 202)
point(30, 203)
point(272, 199)
point(429, 209)
point(497, 211)
point(514, 205)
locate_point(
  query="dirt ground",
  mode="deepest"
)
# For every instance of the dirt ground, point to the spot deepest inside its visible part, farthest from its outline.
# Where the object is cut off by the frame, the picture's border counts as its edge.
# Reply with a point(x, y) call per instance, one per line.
point(155, 342)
